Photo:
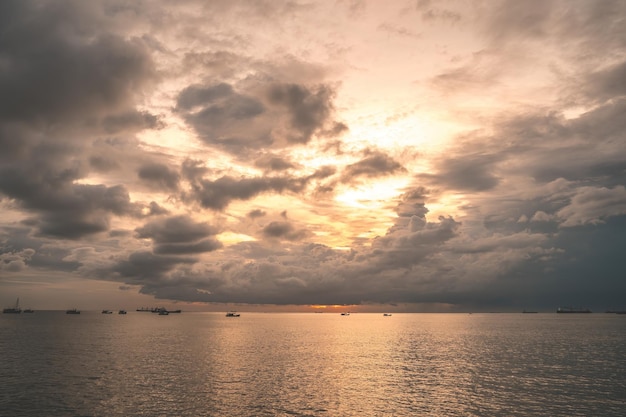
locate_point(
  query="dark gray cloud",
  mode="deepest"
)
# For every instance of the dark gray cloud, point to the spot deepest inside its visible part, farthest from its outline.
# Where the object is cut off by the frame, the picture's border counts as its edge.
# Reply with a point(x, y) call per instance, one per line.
point(61, 94)
point(266, 114)
point(179, 235)
point(63, 209)
point(586, 26)
point(131, 121)
point(256, 213)
point(374, 164)
point(200, 96)
point(470, 172)
point(159, 176)
point(76, 73)
point(308, 109)
point(284, 230)
point(218, 194)
point(273, 163)
point(142, 268)
point(17, 243)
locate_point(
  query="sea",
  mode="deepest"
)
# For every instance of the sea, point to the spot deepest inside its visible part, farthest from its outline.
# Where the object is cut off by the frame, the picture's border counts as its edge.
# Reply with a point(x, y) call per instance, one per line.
point(307, 364)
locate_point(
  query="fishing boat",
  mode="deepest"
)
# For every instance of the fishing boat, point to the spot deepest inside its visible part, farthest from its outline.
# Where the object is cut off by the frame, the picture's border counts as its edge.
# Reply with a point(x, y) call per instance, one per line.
point(107, 312)
point(345, 313)
point(13, 310)
point(121, 312)
point(232, 314)
point(387, 314)
point(72, 311)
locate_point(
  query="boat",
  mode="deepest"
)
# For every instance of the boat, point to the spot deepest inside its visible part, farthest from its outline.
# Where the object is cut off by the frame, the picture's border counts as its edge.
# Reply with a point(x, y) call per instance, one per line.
point(121, 312)
point(107, 312)
point(572, 310)
point(345, 313)
point(232, 314)
point(28, 310)
point(164, 312)
point(174, 311)
point(13, 310)
point(72, 311)
point(387, 314)
point(529, 312)
point(145, 310)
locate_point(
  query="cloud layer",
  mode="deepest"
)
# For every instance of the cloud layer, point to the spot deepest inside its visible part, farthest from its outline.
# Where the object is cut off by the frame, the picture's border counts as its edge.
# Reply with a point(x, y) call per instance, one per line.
point(423, 154)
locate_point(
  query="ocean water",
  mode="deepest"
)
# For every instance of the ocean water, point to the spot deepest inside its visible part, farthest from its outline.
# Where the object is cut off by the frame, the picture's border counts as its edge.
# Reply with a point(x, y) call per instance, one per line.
point(271, 364)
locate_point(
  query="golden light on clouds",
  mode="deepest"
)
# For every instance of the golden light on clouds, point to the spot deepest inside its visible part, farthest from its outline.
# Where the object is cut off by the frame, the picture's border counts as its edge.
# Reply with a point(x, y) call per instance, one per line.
point(373, 196)
point(304, 153)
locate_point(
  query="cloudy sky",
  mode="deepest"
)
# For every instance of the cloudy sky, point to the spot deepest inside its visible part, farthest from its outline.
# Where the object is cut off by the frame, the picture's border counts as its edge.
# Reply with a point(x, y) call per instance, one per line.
point(400, 155)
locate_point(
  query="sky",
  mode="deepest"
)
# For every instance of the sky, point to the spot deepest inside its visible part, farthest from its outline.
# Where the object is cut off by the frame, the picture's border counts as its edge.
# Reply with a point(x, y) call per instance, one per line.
point(282, 155)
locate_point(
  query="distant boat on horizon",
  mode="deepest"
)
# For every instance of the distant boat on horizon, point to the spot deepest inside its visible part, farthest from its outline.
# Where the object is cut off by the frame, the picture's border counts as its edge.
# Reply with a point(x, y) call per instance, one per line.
point(13, 310)
point(232, 314)
point(345, 313)
point(72, 311)
point(107, 312)
point(387, 314)
point(121, 312)
point(28, 310)
point(164, 311)
point(572, 310)
point(529, 312)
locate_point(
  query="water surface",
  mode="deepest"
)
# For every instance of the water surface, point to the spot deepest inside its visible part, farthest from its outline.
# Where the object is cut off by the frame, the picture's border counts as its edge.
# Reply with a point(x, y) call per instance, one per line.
point(204, 364)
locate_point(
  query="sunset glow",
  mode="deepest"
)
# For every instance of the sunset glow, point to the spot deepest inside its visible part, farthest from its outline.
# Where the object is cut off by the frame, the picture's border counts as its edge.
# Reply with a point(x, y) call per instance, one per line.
point(287, 154)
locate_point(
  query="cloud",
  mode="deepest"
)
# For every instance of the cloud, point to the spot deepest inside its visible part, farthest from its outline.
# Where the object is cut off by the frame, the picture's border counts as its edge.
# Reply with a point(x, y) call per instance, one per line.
point(68, 211)
point(128, 131)
point(179, 235)
point(143, 268)
point(273, 163)
point(16, 261)
point(467, 172)
point(77, 73)
point(64, 93)
point(374, 164)
point(284, 230)
point(541, 216)
point(160, 176)
point(307, 108)
point(256, 213)
point(217, 194)
point(246, 117)
point(591, 205)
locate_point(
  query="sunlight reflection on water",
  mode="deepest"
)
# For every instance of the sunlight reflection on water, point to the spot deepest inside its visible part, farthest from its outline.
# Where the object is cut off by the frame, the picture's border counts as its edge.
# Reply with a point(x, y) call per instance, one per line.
point(203, 364)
